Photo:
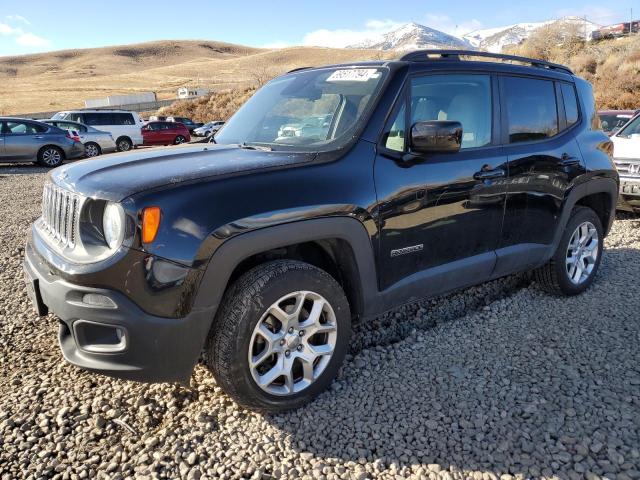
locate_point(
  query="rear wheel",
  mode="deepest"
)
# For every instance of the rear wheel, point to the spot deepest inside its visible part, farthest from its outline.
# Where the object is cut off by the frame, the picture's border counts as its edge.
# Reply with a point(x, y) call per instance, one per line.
point(179, 139)
point(280, 336)
point(573, 267)
point(124, 144)
point(92, 149)
point(50, 156)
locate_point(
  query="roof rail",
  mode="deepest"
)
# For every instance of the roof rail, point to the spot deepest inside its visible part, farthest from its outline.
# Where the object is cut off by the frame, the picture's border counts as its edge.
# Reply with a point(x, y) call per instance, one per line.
point(427, 55)
point(298, 69)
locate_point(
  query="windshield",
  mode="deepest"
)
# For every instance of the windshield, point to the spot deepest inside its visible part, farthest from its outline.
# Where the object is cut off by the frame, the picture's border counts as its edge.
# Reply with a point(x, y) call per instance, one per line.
point(632, 128)
point(612, 122)
point(307, 110)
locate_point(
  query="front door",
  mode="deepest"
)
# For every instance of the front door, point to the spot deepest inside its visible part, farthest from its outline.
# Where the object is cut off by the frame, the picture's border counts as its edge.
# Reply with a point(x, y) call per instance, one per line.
point(440, 215)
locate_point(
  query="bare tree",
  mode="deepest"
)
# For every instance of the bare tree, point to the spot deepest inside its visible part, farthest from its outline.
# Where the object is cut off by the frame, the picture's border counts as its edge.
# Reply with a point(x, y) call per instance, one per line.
point(261, 74)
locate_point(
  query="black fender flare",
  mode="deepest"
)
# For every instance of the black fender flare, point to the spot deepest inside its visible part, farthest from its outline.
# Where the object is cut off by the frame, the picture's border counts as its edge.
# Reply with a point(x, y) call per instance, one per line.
point(583, 190)
point(233, 251)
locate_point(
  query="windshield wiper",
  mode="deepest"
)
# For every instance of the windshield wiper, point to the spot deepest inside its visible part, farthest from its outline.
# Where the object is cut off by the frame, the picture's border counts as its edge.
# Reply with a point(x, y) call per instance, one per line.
point(254, 146)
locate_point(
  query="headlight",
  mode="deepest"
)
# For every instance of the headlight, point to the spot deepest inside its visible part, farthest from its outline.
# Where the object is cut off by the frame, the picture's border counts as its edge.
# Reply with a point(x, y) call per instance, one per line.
point(113, 225)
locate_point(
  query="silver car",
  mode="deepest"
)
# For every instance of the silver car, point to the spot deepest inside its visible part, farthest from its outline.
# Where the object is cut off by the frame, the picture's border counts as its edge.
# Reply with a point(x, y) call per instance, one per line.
point(96, 142)
point(23, 140)
point(208, 128)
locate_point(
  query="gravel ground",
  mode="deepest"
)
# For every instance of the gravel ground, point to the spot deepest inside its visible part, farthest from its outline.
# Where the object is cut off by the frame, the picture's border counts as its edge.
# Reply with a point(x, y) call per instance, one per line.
point(498, 381)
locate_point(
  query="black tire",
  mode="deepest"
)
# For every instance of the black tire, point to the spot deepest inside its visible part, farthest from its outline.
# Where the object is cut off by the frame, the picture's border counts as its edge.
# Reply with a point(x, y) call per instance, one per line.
point(179, 140)
point(124, 144)
point(554, 276)
point(92, 150)
point(50, 156)
point(244, 304)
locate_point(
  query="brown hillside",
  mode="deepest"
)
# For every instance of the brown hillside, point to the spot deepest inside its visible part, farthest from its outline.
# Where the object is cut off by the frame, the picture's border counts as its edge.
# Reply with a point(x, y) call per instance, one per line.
point(64, 79)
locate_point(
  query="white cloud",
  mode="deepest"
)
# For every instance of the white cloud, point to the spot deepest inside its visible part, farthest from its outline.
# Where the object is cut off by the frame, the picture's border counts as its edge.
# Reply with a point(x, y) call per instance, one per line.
point(18, 18)
point(32, 40)
point(594, 13)
point(343, 37)
point(25, 41)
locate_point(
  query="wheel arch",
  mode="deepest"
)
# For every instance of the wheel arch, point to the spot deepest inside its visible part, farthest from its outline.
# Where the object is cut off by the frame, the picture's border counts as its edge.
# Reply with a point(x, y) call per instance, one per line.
point(48, 145)
point(339, 245)
point(599, 194)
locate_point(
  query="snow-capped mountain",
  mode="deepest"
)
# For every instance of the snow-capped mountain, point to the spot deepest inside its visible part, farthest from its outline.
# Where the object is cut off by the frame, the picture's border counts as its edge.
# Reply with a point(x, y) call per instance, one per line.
point(412, 36)
point(495, 39)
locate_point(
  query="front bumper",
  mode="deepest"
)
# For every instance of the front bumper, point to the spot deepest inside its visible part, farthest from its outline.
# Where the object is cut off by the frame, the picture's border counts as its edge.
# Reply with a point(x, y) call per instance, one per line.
point(119, 340)
point(629, 198)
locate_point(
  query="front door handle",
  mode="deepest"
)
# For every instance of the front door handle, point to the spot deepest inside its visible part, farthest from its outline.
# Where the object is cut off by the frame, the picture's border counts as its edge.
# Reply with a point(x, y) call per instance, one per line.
point(487, 174)
point(567, 160)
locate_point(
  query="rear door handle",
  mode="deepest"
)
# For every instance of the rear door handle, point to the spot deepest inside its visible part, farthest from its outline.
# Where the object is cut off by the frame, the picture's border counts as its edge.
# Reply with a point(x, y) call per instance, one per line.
point(567, 160)
point(488, 174)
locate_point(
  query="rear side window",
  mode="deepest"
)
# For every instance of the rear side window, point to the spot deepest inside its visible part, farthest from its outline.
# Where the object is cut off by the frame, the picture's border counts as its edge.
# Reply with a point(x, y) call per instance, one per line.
point(570, 103)
point(123, 119)
point(532, 113)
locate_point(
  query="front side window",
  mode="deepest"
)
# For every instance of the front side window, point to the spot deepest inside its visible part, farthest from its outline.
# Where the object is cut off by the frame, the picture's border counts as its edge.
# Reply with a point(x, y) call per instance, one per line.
point(461, 98)
point(531, 109)
point(22, 128)
point(306, 110)
point(94, 119)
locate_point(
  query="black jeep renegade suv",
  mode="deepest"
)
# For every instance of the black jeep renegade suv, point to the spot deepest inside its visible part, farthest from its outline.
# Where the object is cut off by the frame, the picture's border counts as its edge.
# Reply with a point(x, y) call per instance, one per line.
point(334, 193)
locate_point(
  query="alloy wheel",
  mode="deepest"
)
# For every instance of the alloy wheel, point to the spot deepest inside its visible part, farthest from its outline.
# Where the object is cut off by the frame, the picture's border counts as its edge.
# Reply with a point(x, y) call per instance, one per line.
point(91, 150)
point(582, 253)
point(51, 157)
point(124, 145)
point(292, 343)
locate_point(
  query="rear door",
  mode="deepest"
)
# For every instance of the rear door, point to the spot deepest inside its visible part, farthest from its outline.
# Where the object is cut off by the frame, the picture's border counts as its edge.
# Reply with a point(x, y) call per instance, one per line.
point(2, 128)
point(544, 159)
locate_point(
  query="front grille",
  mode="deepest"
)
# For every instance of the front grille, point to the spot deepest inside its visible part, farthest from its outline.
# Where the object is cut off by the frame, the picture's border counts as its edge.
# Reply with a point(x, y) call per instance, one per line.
point(60, 212)
point(628, 168)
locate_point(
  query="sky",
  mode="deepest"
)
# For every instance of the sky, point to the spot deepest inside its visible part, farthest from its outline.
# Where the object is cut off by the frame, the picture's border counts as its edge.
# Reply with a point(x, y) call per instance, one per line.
point(44, 25)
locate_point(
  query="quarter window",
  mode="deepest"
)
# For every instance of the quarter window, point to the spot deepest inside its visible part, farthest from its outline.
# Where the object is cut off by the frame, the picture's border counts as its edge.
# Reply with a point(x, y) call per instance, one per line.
point(531, 109)
point(461, 98)
point(395, 137)
point(570, 103)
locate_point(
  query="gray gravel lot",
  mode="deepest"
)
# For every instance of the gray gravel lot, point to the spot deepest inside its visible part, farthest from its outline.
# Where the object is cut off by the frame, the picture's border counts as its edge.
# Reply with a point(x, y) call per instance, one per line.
point(498, 381)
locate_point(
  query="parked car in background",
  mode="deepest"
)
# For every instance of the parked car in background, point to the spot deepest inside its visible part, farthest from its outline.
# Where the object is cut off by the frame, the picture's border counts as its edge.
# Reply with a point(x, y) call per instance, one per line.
point(24, 140)
point(157, 118)
point(437, 173)
point(208, 128)
point(626, 153)
point(614, 120)
point(165, 133)
point(96, 142)
point(187, 122)
point(123, 125)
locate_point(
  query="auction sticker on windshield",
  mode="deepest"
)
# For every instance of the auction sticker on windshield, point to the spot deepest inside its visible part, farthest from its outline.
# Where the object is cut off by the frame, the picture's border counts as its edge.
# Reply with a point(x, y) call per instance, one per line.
point(353, 75)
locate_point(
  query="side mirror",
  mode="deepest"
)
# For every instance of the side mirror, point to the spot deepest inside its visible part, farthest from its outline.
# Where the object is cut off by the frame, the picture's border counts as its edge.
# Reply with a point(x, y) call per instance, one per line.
point(436, 136)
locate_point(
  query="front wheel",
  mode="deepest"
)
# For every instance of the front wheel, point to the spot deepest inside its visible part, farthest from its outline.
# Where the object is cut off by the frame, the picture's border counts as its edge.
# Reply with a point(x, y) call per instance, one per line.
point(573, 267)
point(280, 336)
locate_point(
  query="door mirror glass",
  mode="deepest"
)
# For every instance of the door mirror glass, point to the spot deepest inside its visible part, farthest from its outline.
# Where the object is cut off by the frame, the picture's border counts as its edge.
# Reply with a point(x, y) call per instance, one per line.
point(436, 136)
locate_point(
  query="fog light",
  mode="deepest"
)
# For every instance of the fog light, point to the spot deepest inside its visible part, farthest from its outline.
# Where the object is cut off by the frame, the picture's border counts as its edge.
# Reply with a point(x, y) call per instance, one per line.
point(97, 300)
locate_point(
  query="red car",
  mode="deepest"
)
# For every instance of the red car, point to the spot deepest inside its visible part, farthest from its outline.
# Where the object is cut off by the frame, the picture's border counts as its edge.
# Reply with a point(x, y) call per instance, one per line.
point(165, 133)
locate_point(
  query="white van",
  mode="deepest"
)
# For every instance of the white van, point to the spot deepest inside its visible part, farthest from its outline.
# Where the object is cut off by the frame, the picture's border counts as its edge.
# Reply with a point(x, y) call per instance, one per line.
point(123, 125)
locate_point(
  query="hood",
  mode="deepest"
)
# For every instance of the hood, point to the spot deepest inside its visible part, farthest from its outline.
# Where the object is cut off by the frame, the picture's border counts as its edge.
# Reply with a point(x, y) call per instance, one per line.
point(626, 147)
point(117, 176)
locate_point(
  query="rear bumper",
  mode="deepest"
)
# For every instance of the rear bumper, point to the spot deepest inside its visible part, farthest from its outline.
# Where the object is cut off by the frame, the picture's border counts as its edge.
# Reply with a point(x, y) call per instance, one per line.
point(75, 151)
point(119, 340)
